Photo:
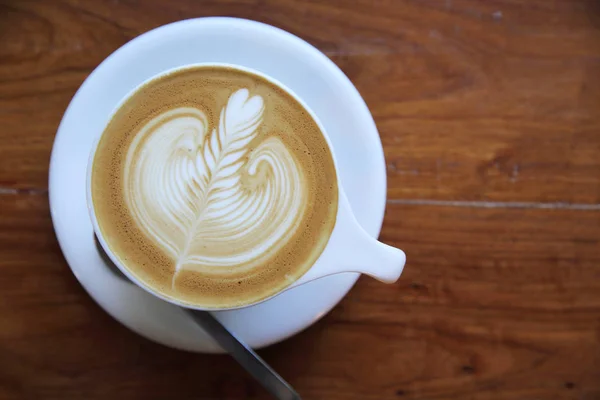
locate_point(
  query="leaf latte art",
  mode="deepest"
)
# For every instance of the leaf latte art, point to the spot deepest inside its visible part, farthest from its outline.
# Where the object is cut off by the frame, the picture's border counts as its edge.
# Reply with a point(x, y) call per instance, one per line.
point(214, 187)
point(184, 184)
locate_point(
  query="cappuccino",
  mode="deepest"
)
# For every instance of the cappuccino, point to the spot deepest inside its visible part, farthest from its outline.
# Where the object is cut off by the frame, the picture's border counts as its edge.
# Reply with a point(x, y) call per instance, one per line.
point(214, 187)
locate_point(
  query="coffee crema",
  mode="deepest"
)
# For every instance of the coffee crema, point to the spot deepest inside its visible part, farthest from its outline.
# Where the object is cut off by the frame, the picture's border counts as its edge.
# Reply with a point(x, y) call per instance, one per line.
point(214, 187)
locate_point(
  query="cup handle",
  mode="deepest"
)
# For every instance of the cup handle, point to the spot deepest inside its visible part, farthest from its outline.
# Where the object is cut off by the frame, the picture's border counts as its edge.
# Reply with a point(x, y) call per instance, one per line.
point(351, 249)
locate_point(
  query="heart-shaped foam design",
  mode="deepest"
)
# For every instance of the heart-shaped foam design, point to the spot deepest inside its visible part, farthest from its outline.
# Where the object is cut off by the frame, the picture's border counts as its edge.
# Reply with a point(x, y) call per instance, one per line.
point(204, 196)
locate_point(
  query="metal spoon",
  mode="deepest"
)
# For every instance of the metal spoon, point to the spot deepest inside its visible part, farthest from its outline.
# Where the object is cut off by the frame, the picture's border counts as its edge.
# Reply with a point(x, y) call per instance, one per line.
point(241, 352)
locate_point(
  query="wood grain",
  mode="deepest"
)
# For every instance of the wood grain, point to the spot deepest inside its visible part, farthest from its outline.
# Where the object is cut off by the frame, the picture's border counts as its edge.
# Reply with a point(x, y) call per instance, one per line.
point(475, 100)
point(489, 116)
point(485, 309)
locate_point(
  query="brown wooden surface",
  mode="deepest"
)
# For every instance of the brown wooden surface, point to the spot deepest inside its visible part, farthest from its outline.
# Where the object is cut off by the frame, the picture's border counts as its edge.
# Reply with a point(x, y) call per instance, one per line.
point(489, 112)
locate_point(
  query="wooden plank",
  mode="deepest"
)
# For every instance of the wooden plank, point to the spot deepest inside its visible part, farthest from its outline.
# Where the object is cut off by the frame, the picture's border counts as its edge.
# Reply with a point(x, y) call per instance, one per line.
point(478, 101)
point(493, 304)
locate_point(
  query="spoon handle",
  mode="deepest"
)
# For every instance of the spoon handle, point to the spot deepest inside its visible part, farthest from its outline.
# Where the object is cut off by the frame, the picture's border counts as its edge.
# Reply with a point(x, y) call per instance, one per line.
point(245, 356)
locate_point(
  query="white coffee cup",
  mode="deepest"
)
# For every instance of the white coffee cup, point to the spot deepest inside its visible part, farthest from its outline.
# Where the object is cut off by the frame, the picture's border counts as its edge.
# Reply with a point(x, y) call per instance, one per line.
point(349, 248)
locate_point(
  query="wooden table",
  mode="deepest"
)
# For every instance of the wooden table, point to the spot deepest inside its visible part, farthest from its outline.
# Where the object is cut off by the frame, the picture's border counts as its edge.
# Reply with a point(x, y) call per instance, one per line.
point(489, 113)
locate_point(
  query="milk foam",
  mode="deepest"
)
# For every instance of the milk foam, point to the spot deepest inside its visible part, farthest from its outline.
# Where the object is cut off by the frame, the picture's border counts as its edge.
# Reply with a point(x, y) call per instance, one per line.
point(185, 187)
point(214, 187)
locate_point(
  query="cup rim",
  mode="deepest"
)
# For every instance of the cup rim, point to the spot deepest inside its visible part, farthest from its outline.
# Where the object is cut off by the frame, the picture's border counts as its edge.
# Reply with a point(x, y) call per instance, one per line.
point(90, 204)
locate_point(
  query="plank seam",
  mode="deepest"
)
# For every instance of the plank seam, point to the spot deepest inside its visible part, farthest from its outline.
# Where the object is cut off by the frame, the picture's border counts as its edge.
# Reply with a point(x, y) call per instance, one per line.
point(496, 204)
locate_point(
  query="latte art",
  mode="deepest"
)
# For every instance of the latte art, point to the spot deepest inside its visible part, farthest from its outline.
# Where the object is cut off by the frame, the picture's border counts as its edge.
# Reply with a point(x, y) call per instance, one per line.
point(210, 202)
point(214, 187)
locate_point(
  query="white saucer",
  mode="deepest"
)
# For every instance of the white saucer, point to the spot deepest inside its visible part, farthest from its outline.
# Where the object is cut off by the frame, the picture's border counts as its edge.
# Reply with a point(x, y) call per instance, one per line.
point(272, 51)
